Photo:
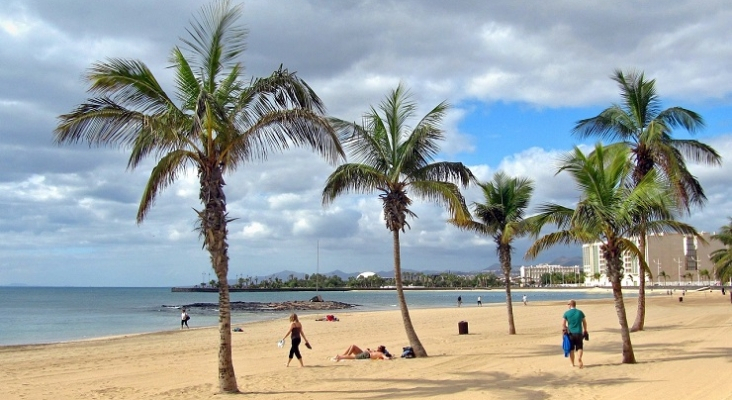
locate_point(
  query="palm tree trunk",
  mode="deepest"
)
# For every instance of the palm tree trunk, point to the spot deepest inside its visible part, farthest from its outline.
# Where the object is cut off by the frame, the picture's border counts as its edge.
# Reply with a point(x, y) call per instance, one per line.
point(505, 256)
point(227, 378)
point(616, 272)
point(628, 355)
point(214, 229)
point(640, 316)
point(419, 350)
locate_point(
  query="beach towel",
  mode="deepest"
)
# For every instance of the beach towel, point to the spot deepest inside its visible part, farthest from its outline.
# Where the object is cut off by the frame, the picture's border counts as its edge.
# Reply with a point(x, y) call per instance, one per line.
point(566, 344)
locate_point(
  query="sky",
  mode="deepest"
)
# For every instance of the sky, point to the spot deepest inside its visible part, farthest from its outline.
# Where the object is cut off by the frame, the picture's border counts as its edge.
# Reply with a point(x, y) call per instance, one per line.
point(518, 76)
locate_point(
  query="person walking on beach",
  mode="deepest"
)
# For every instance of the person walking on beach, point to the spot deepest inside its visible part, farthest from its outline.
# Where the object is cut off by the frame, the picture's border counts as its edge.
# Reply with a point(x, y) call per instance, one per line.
point(460, 300)
point(575, 323)
point(297, 335)
point(524, 299)
point(480, 302)
point(184, 317)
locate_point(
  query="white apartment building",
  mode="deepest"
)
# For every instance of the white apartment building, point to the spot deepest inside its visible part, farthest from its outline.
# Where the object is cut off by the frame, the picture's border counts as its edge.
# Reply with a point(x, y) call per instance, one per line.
point(531, 275)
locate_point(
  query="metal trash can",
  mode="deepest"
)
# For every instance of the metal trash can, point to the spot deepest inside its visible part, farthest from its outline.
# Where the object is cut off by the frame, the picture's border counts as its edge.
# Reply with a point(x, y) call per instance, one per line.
point(463, 327)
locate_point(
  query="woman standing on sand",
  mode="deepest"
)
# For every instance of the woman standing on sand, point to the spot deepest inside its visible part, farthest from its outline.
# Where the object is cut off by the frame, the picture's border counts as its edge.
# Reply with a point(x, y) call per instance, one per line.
point(297, 334)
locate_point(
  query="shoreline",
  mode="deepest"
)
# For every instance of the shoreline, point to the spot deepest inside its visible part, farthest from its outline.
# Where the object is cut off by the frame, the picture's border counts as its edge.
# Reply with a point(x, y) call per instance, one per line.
point(209, 317)
point(303, 317)
point(306, 314)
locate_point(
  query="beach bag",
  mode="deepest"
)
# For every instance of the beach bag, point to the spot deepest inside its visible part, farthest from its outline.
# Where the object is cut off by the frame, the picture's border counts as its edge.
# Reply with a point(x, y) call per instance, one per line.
point(407, 352)
point(188, 317)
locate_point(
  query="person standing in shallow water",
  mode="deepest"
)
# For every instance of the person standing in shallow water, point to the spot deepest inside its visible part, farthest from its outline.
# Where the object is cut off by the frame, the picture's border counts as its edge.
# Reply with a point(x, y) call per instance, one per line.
point(460, 300)
point(297, 335)
point(184, 317)
point(575, 323)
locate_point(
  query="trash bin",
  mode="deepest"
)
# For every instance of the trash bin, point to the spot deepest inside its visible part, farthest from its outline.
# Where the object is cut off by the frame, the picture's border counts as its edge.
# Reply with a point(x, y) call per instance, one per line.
point(463, 327)
point(681, 299)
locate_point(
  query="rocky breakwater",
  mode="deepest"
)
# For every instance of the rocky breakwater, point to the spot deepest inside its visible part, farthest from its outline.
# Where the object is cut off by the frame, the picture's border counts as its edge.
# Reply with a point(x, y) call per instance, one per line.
point(252, 306)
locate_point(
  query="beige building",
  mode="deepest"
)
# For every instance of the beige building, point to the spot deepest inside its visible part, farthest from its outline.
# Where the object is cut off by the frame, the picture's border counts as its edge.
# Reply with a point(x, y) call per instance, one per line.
point(680, 257)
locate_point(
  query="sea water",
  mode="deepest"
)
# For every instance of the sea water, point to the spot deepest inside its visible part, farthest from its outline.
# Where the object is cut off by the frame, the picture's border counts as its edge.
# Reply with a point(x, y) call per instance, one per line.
point(32, 315)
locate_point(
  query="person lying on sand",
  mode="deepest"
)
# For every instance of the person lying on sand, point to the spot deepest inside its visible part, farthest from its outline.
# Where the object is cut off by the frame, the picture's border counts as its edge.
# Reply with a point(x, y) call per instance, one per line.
point(355, 353)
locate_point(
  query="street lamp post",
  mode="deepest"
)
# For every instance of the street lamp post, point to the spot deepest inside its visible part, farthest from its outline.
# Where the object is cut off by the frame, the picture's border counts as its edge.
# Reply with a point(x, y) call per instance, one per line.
point(678, 260)
point(658, 269)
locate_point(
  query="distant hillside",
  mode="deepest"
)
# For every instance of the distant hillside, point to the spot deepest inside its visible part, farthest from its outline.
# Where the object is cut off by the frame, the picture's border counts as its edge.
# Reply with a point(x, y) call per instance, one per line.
point(567, 261)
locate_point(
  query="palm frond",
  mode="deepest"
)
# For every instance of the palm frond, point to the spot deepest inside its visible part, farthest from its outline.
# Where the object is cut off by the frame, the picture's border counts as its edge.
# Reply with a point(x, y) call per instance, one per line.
point(362, 145)
point(129, 83)
point(455, 172)
point(216, 39)
point(99, 122)
point(164, 174)
point(550, 240)
point(279, 130)
point(358, 178)
point(446, 194)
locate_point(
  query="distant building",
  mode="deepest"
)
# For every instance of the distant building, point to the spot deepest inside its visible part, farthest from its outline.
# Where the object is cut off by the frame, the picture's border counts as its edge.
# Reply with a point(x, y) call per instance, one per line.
point(674, 254)
point(531, 275)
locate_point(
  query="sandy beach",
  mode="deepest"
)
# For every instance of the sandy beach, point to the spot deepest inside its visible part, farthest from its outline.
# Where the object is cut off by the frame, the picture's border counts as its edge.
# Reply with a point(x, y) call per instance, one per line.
point(685, 352)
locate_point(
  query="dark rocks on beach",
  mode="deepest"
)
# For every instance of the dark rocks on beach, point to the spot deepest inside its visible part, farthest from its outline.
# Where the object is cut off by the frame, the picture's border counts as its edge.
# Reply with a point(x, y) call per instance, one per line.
point(251, 306)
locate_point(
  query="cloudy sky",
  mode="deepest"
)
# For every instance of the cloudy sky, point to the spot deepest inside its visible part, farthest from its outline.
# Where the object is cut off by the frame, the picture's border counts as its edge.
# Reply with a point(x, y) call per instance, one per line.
point(518, 75)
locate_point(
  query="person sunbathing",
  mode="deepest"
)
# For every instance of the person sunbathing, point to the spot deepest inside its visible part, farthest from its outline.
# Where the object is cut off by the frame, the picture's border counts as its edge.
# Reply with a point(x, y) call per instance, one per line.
point(355, 353)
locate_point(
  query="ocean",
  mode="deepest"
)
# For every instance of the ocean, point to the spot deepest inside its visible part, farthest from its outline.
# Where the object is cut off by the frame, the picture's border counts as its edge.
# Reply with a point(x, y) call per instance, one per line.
point(34, 315)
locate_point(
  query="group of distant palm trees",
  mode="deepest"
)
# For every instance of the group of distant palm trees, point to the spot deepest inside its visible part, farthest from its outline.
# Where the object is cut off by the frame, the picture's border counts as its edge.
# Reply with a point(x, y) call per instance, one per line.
point(217, 122)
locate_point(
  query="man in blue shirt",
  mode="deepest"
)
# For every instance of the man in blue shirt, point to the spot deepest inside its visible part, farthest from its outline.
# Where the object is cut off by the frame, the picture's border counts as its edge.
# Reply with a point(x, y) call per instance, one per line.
point(575, 324)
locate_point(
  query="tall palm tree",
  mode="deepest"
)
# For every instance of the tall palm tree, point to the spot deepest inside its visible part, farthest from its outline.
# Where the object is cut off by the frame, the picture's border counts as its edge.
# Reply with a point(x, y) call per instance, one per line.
point(607, 212)
point(722, 258)
point(217, 123)
point(501, 216)
point(640, 123)
point(395, 160)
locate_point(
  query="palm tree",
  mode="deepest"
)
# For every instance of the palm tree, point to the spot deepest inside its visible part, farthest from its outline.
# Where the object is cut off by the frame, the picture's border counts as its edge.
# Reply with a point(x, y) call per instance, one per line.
point(663, 275)
point(501, 216)
point(217, 123)
point(607, 212)
point(722, 258)
point(391, 159)
point(705, 274)
point(688, 276)
point(640, 123)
